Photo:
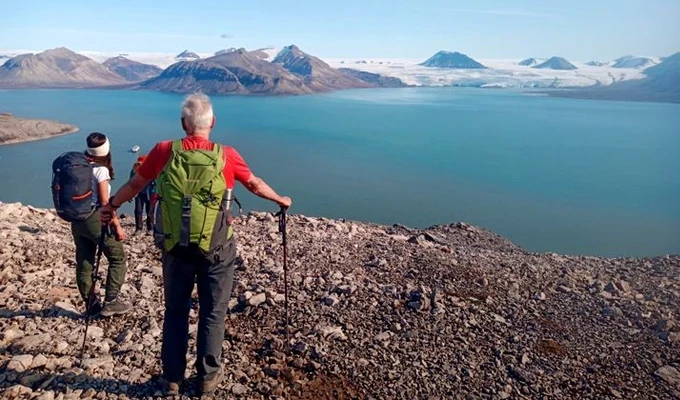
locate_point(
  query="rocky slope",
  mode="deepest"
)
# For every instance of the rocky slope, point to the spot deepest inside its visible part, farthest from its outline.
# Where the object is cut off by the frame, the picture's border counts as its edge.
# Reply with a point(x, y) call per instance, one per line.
point(292, 72)
point(376, 79)
point(17, 130)
point(317, 74)
point(237, 72)
point(131, 71)
point(56, 68)
point(377, 312)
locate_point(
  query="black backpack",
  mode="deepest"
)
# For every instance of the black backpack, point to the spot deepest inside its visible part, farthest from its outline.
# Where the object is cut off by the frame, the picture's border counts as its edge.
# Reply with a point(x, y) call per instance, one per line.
point(72, 186)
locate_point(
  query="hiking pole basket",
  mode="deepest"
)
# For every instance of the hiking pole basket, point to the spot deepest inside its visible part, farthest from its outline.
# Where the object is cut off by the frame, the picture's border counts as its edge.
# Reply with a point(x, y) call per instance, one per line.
point(106, 231)
point(282, 228)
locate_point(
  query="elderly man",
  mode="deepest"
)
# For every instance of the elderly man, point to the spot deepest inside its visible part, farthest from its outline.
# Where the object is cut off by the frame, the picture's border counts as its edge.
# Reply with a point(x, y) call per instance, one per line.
point(195, 179)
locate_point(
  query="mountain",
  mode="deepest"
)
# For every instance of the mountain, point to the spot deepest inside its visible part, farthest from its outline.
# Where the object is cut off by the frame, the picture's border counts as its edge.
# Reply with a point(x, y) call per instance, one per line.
point(225, 51)
point(266, 53)
point(661, 84)
point(447, 59)
point(56, 68)
point(192, 76)
point(317, 75)
point(376, 79)
point(664, 78)
point(187, 55)
point(237, 72)
point(633, 62)
point(528, 62)
point(131, 71)
point(558, 63)
point(596, 63)
point(291, 72)
point(260, 76)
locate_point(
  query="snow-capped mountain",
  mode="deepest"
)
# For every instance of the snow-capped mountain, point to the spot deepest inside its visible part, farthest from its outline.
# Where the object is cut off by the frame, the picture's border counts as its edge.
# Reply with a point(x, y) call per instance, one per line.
point(634, 62)
point(530, 62)
point(187, 55)
point(557, 63)
point(267, 53)
point(132, 71)
point(453, 60)
point(499, 73)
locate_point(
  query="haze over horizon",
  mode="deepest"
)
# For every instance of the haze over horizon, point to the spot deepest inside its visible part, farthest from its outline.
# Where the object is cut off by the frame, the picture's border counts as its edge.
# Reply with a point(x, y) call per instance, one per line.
point(577, 30)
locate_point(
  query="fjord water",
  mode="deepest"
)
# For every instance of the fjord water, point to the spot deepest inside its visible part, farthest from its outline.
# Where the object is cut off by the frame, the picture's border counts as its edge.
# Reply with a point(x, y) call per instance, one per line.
point(563, 175)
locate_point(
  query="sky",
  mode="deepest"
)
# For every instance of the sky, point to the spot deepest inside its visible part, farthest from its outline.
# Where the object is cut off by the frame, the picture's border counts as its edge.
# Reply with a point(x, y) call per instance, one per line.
point(484, 29)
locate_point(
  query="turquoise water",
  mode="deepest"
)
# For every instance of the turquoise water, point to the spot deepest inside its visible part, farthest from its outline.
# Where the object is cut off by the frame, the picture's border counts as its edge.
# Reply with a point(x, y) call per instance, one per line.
point(564, 175)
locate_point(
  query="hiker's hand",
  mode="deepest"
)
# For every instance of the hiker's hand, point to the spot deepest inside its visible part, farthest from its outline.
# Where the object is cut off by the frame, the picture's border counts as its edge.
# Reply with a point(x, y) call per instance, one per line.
point(285, 202)
point(120, 233)
point(106, 214)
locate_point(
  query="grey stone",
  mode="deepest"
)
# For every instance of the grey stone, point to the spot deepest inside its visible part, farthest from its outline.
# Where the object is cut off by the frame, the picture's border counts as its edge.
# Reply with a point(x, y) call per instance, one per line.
point(20, 363)
point(669, 374)
point(257, 299)
point(239, 389)
point(331, 300)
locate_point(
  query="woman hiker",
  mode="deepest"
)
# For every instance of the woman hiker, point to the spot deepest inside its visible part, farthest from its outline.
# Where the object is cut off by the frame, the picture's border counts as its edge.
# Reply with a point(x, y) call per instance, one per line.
point(86, 235)
point(145, 200)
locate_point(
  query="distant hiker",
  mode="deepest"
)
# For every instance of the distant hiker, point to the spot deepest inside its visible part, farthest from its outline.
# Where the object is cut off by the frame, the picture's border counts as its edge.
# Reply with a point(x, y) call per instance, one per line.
point(195, 180)
point(144, 201)
point(94, 169)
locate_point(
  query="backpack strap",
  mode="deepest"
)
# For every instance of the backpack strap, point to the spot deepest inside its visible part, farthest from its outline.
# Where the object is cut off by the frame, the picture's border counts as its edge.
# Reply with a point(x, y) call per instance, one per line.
point(185, 227)
point(177, 145)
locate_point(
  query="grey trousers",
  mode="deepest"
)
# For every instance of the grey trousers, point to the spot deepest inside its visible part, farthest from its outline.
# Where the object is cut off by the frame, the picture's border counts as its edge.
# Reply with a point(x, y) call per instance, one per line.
point(214, 282)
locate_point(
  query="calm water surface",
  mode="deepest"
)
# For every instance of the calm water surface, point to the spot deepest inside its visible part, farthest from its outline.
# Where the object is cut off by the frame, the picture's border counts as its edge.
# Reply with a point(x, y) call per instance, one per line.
point(564, 175)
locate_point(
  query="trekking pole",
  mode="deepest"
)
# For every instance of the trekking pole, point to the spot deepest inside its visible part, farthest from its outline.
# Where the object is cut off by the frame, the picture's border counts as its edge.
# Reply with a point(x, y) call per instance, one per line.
point(282, 228)
point(91, 294)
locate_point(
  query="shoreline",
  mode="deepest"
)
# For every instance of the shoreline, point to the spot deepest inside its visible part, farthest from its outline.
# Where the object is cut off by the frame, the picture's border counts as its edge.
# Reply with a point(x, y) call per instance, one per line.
point(575, 92)
point(15, 130)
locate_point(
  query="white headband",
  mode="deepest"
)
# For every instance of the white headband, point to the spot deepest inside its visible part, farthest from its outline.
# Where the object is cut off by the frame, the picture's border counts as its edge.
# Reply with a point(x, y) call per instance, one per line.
point(99, 151)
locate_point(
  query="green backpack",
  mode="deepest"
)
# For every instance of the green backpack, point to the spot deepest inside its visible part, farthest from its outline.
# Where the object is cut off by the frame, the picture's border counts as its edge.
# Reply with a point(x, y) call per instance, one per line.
point(194, 201)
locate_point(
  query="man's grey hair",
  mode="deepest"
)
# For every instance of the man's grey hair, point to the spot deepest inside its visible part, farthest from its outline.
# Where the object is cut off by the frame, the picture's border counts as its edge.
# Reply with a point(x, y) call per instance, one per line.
point(197, 112)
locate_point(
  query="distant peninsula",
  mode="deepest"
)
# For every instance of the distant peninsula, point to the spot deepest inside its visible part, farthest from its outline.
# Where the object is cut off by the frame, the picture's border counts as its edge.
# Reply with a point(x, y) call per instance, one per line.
point(16, 130)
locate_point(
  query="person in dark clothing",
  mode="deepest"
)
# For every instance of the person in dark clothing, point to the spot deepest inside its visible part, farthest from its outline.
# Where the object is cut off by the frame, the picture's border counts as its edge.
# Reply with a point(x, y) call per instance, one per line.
point(144, 201)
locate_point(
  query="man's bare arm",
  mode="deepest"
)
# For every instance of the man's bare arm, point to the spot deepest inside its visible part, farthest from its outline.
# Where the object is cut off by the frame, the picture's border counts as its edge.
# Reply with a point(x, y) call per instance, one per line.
point(130, 189)
point(259, 187)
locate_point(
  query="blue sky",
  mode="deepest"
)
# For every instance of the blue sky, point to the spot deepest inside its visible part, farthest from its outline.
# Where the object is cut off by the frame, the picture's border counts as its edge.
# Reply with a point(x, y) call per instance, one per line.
point(578, 30)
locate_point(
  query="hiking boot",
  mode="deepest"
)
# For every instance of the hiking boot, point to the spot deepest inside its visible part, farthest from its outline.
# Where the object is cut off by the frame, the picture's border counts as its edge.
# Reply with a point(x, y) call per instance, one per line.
point(209, 386)
point(169, 388)
point(115, 307)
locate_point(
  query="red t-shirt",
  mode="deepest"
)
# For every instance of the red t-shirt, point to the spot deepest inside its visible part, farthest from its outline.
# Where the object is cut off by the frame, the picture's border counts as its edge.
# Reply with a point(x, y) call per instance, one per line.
point(235, 169)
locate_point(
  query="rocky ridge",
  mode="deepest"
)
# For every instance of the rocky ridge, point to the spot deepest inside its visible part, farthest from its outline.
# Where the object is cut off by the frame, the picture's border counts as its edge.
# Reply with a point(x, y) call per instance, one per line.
point(131, 71)
point(452, 311)
point(56, 68)
point(16, 130)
